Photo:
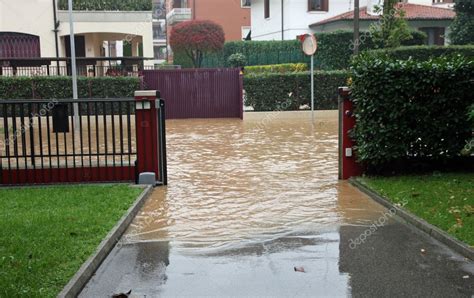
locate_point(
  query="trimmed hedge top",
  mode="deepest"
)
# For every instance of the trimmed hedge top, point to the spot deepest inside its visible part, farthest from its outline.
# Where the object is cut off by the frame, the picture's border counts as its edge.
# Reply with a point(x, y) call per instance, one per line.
point(111, 5)
point(61, 87)
point(409, 109)
point(276, 68)
point(423, 53)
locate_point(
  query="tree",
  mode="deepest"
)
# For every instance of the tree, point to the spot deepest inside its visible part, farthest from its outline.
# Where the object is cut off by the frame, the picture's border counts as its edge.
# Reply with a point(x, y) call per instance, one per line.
point(196, 38)
point(462, 28)
point(392, 28)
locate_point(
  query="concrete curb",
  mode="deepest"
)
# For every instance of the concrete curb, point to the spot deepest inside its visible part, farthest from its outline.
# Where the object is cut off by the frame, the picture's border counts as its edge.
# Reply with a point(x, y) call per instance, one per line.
point(420, 224)
point(87, 270)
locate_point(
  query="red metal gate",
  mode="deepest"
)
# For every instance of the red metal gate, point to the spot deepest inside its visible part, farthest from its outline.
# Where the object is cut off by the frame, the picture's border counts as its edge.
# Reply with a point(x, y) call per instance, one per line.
point(198, 93)
point(110, 140)
point(348, 165)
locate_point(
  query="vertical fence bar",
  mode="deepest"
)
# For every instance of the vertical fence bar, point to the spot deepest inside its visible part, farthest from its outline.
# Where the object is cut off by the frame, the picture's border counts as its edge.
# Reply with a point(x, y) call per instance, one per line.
point(7, 141)
point(49, 145)
point(65, 150)
point(32, 138)
point(15, 142)
point(40, 135)
point(112, 104)
point(129, 132)
point(23, 141)
point(97, 133)
point(73, 130)
point(163, 167)
point(121, 139)
point(89, 142)
point(105, 139)
point(80, 137)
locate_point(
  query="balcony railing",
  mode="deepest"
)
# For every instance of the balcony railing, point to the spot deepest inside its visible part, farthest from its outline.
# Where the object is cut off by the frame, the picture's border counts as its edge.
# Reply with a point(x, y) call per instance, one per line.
point(108, 5)
point(89, 67)
point(177, 15)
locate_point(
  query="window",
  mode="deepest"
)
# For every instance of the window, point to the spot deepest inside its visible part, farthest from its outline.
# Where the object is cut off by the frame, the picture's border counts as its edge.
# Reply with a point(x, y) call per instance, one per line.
point(318, 5)
point(267, 8)
point(159, 52)
point(245, 3)
point(159, 30)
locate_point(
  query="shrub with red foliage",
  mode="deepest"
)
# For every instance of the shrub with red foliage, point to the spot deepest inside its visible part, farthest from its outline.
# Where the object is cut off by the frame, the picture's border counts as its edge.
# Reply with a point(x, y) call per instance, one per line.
point(196, 38)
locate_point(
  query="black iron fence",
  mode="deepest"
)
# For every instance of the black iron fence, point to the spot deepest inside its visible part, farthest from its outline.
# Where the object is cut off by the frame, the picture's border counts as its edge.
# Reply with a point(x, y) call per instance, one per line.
point(82, 70)
point(47, 141)
point(86, 66)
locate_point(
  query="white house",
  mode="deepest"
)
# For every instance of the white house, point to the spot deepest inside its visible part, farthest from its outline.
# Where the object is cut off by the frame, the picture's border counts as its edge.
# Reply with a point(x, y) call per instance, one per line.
point(285, 19)
point(28, 30)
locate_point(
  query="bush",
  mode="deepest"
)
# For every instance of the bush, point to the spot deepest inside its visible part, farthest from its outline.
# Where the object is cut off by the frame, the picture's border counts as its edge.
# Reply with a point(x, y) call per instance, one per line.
point(61, 87)
point(462, 28)
point(335, 50)
point(471, 114)
point(410, 110)
point(423, 53)
point(197, 38)
point(270, 92)
point(123, 5)
point(258, 53)
point(276, 68)
point(237, 60)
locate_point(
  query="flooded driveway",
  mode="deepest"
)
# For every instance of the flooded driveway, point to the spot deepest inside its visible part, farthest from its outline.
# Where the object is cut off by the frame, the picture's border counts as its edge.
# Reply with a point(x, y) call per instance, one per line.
point(248, 201)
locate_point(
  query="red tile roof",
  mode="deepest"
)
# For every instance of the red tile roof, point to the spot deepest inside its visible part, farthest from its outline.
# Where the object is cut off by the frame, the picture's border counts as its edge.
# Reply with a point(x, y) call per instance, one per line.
point(412, 12)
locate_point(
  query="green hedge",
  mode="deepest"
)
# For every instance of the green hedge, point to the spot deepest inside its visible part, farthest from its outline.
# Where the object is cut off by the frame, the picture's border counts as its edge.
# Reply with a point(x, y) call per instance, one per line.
point(123, 5)
point(272, 92)
point(424, 53)
point(411, 110)
point(256, 52)
point(334, 51)
point(276, 68)
point(61, 87)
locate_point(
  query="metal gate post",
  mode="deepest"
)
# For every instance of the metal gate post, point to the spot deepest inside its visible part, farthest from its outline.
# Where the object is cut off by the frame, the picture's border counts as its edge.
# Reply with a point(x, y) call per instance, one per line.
point(348, 165)
point(150, 135)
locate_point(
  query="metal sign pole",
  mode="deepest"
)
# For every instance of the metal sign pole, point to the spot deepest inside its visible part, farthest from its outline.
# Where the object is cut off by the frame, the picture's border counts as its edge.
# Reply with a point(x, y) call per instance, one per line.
point(312, 88)
point(310, 46)
point(73, 66)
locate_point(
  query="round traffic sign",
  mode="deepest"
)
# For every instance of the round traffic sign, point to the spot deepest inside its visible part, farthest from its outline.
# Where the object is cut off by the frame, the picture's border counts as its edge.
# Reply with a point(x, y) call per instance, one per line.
point(310, 44)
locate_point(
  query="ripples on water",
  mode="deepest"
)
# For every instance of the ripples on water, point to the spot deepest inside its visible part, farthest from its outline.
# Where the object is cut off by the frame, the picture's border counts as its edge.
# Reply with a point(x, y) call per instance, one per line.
point(233, 183)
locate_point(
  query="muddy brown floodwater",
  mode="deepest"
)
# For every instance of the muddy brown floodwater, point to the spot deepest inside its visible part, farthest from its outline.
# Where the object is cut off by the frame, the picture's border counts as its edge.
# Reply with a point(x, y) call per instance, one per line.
point(234, 182)
point(248, 201)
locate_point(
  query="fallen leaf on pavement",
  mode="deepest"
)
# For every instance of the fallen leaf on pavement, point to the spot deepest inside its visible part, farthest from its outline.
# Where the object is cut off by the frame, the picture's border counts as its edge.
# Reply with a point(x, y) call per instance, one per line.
point(299, 269)
point(122, 295)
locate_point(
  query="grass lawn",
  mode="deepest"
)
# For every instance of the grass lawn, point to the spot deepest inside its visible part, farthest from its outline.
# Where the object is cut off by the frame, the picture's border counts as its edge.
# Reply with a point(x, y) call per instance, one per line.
point(47, 233)
point(445, 200)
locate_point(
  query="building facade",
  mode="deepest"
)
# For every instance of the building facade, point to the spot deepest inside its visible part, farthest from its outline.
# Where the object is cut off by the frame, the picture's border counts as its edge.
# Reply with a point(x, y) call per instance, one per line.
point(232, 15)
point(286, 19)
point(37, 28)
point(160, 43)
